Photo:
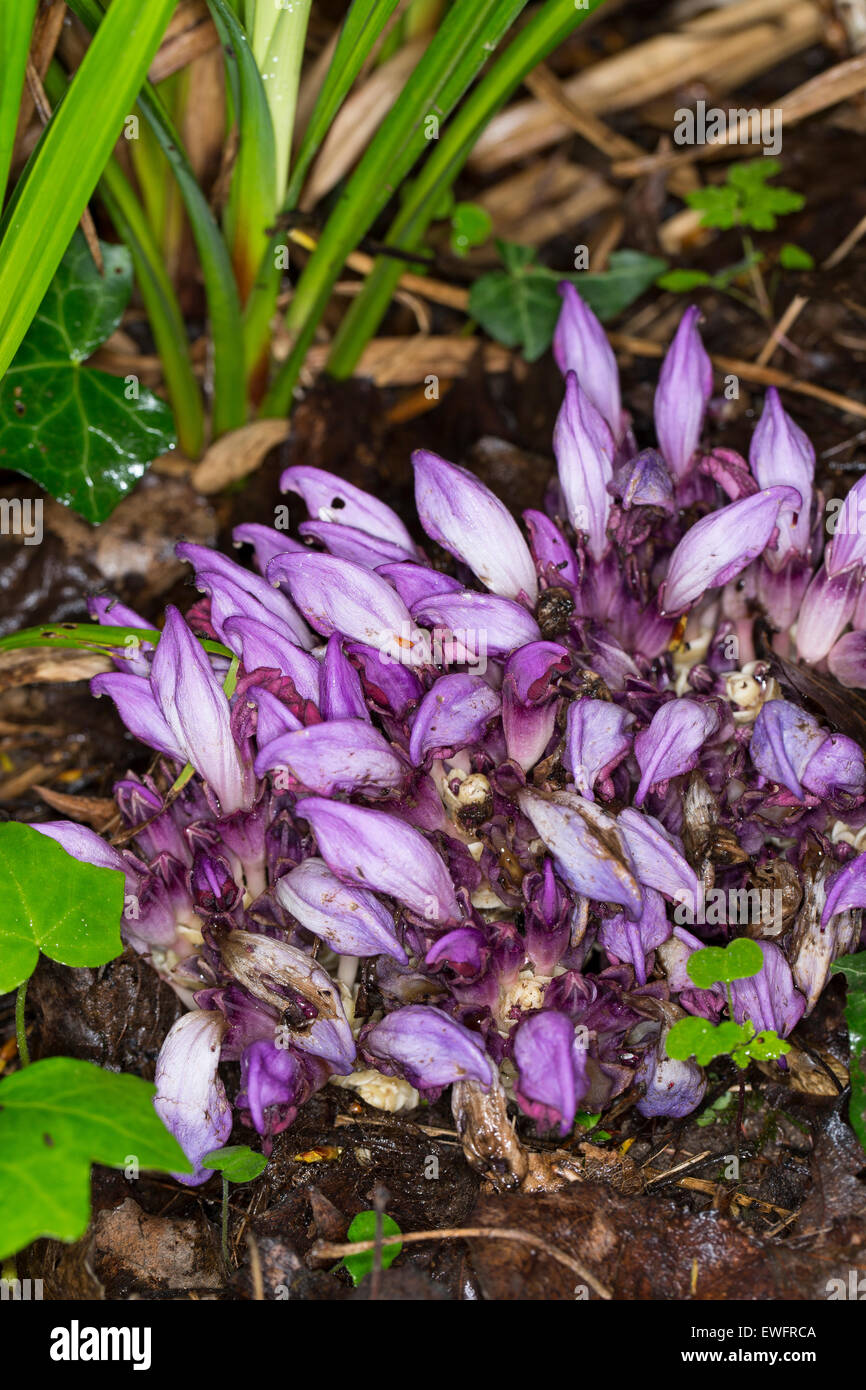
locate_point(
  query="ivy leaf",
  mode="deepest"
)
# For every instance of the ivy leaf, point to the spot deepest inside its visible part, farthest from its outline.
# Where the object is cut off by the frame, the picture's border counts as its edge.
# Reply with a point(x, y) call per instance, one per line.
point(237, 1162)
point(854, 970)
point(57, 1117)
point(72, 428)
point(52, 903)
point(364, 1228)
point(719, 965)
point(519, 306)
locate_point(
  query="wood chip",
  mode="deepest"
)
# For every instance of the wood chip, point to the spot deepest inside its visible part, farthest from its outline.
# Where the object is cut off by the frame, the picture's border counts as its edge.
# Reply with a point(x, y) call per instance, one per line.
point(96, 811)
point(238, 454)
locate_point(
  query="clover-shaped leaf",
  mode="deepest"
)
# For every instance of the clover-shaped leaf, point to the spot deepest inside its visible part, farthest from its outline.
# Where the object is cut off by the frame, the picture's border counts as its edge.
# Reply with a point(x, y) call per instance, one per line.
point(698, 1038)
point(719, 965)
point(237, 1162)
point(364, 1228)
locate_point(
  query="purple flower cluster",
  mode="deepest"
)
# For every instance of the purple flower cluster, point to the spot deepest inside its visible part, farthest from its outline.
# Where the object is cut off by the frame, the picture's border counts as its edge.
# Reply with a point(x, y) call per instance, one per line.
point(465, 811)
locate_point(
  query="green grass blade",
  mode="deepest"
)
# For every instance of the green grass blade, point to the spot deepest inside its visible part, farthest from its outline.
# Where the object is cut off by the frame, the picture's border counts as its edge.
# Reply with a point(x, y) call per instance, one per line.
point(16, 26)
point(229, 409)
point(71, 155)
point(280, 66)
point(252, 205)
point(548, 27)
point(457, 52)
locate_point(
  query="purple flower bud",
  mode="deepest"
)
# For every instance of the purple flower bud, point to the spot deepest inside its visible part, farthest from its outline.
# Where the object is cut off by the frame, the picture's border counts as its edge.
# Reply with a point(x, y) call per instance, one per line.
point(414, 582)
point(781, 453)
point(529, 703)
point(719, 546)
point(275, 1083)
point(672, 742)
point(659, 858)
point(590, 852)
point(584, 449)
point(466, 519)
point(190, 1097)
point(673, 1089)
point(826, 610)
point(265, 541)
point(329, 498)
point(547, 919)
point(836, 769)
point(478, 623)
point(551, 1070)
point(597, 739)
point(235, 592)
point(580, 345)
point(428, 1048)
point(633, 941)
point(769, 999)
point(453, 715)
point(351, 544)
point(214, 889)
point(372, 849)
point(784, 740)
point(342, 696)
point(351, 920)
point(554, 557)
point(847, 660)
point(339, 596)
point(845, 890)
point(684, 388)
point(157, 829)
point(847, 549)
point(344, 755)
point(644, 481)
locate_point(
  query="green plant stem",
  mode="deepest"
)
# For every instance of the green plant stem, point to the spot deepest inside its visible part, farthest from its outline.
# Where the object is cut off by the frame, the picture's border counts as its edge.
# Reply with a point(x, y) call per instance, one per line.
point(548, 27)
point(456, 53)
point(224, 309)
point(21, 1024)
point(16, 25)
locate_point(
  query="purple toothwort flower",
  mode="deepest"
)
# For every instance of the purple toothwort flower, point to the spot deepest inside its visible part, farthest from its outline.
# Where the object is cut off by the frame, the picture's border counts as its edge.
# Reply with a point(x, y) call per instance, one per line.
point(190, 1097)
point(580, 345)
point(781, 454)
point(790, 747)
point(342, 755)
point(351, 920)
point(685, 386)
point(670, 745)
point(597, 740)
point(428, 1048)
point(453, 715)
point(551, 1070)
point(769, 999)
point(589, 849)
point(584, 448)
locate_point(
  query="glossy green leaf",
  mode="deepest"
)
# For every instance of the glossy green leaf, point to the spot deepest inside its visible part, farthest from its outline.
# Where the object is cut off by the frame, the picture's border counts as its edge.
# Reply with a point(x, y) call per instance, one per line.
point(50, 902)
point(720, 965)
point(236, 1162)
point(57, 1117)
point(71, 155)
point(854, 970)
point(703, 1040)
point(16, 24)
point(364, 1228)
point(71, 428)
point(519, 306)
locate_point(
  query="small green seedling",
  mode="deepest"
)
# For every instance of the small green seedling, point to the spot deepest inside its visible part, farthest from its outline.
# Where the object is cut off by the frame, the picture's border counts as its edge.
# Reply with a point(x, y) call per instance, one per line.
point(715, 1111)
point(471, 225)
point(364, 1228)
point(703, 1040)
point(237, 1163)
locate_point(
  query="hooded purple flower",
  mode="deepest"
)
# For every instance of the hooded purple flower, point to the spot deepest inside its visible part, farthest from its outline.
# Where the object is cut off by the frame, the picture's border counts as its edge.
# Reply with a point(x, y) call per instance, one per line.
point(344, 755)
point(580, 345)
point(673, 1089)
point(190, 1097)
point(453, 715)
point(597, 739)
point(590, 852)
point(769, 999)
point(265, 541)
point(672, 742)
point(428, 1048)
point(659, 858)
point(719, 546)
point(790, 747)
point(479, 624)
point(633, 941)
point(331, 499)
point(372, 849)
point(847, 549)
point(827, 609)
point(529, 701)
point(781, 454)
point(275, 1083)
point(351, 920)
point(551, 1070)
point(465, 517)
point(341, 693)
point(584, 449)
point(684, 388)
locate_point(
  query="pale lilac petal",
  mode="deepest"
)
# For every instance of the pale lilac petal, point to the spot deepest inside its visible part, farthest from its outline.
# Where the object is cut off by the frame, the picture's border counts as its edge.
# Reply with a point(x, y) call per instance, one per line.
point(845, 890)
point(633, 941)
point(848, 545)
point(190, 1097)
point(719, 546)
point(590, 852)
point(342, 755)
point(659, 858)
point(341, 694)
point(137, 707)
point(339, 596)
point(847, 660)
point(453, 715)
point(584, 449)
point(550, 549)
point(769, 999)
point(673, 1089)
point(274, 718)
point(266, 542)
point(781, 453)
point(597, 738)
point(414, 582)
point(235, 591)
point(329, 498)
point(580, 345)
point(551, 1070)
point(429, 1048)
point(87, 847)
point(372, 849)
point(644, 481)
point(388, 683)
point(672, 742)
point(531, 668)
point(684, 387)
point(836, 768)
point(466, 519)
point(480, 623)
point(784, 740)
point(352, 921)
point(827, 608)
point(108, 612)
point(259, 646)
point(352, 544)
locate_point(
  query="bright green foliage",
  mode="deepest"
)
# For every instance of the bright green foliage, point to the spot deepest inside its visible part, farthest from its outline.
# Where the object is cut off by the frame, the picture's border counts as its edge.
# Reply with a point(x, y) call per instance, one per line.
point(519, 306)
point(50, 902)
point(719, 965)
point(745, 198)
point(364, 1228)
point(56, 1118)
point(854, 970)
point(793, 257)
point(237, 1162)
point(698, 1038)
point(81, 433)
point(471, 225)
point(715, 1111)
